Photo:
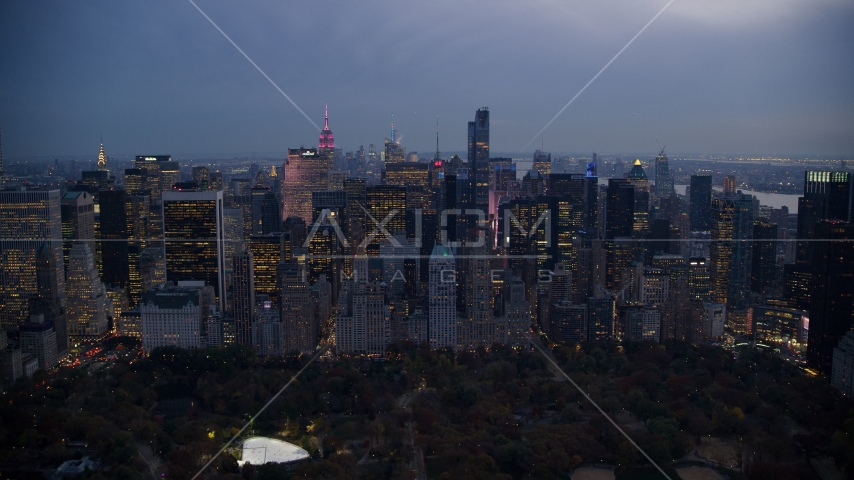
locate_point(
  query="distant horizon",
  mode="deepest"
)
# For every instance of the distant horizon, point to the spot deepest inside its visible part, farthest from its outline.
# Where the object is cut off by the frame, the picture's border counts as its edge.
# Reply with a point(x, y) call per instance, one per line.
point(245, 155)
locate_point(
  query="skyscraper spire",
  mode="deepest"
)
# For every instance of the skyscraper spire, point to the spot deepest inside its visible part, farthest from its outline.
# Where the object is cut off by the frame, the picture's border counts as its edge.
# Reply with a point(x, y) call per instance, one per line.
point(326, 139)
point(437, 138)
point(102, 158)
point(393, 139)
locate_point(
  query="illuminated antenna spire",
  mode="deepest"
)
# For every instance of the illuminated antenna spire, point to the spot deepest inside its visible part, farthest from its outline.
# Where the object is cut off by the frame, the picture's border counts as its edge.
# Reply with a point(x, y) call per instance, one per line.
point(326, 116)
point(437, 138)
point(392, 127)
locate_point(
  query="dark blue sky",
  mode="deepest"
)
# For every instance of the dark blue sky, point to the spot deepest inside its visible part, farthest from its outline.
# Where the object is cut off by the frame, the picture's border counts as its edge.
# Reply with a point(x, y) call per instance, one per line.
point(769, 77)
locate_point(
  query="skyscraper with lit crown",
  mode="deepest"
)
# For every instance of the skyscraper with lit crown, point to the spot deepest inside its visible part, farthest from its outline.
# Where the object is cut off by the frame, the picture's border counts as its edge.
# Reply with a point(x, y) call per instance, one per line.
point(326, 144)
point(102, 160)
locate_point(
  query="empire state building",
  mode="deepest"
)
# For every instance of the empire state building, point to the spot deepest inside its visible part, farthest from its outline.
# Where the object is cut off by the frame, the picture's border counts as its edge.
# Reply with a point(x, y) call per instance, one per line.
point(326, 144)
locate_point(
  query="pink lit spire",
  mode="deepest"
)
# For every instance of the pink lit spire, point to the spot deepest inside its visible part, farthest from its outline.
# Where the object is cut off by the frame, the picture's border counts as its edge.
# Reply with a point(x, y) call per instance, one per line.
point(326, 139)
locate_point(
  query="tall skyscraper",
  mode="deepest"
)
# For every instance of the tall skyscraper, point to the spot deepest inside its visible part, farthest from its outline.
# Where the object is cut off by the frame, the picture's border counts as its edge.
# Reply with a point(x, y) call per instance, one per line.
point(729, 184)
point(78, 221)
point(730, 254)
point(114, 237)
point(619, 227)
point(764, 268)
point(386, 208)
point(297, 311)
point(28, 219)
point(305, 171)
point(442, 300)
point(102, 160)
point(827, 196)
point(326, 143)
point(193, 238)
point(700, 209)
point(243, 294)
point(153, 166)
point(832, 308)
point(87, 300)
point(663, 180)
point(478, 157)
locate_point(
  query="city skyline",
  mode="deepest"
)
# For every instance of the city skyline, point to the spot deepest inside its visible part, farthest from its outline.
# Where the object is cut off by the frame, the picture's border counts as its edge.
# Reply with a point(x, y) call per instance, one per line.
point(139, 77)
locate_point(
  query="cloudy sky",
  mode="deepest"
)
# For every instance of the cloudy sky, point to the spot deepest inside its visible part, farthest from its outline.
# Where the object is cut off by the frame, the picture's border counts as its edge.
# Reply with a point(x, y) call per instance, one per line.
point(723, 76)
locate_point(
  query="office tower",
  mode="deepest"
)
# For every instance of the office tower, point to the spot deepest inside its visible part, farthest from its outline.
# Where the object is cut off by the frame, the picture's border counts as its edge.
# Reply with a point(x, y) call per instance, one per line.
point(364, 325)
point(700, 207)
point(400, 268)
point(797, 286)
point(656, 286)
point(171, 317)
point(202, 176)
point(268, 251)
point(730, 255)
point(699, 280)
point(514, 325)
point(778, 325)
point(297, 311)
point(764, 268)
point(334, 203)
point(386, 210)
point(601, 316)
point(137, 181)
point(86, 304)
point(268, 334)
point(153, 166)
point(663, 180)
point(416, 178)
point(257, 198)
point(243, 294)
point(842, 373)
point(478, 157)
point(827, 196)
point(96, 180)
point(542, 163)
point(305, 171)
point(393, 152)
point(324, 253)
point(114, 237)
point(729, 185)
point(477, 327)
point(832, 292)
point(78, 221)
point(442, 299)
point(38, 337)
point(193, 238)
point(152, 268)
point(356, 191)
point(271, 220)
point(170, 174)
point(619, 225)
point(29, 220)
point(643, 324)
point(232, 232)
